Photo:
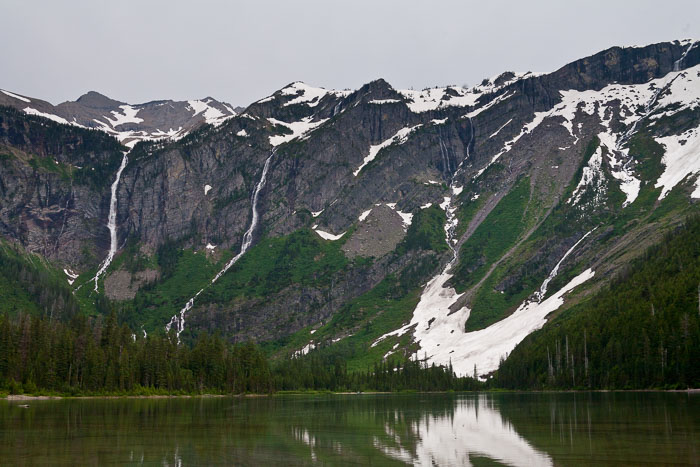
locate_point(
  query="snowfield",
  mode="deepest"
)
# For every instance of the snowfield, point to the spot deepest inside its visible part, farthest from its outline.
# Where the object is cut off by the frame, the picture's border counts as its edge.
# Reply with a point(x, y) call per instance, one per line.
point(299, 129)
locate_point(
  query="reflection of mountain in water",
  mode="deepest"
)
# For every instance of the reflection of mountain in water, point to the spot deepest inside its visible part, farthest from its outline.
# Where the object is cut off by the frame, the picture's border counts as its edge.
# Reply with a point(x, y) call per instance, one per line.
point(474, 429)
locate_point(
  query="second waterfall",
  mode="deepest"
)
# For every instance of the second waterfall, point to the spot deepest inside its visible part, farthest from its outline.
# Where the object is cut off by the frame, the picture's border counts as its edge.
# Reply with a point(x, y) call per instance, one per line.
point(178, 320)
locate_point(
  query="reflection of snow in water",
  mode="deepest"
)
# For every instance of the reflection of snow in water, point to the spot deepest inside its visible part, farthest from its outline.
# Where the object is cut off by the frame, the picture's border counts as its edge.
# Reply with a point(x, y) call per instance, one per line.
point(302, 434)
point(475, 428)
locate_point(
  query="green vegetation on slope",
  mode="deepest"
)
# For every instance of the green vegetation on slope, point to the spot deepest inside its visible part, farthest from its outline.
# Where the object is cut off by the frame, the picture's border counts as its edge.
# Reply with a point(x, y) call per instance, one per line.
point(493, 237)
point(301, 257)
point(29, 284)
point(642, 331)
point(184, 273)
point(426, 232)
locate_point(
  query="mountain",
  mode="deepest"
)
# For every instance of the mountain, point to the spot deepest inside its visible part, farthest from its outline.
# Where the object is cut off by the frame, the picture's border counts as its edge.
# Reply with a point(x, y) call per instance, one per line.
point(445, 224)
point(128, 123)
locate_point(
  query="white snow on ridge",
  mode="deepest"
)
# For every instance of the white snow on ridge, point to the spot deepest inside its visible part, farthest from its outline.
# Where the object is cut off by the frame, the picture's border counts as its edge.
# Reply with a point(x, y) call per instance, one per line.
point(212, 115)
point(678, 90)
point(400, 137)
point(55, 118)
point(13, 95)
point(457, 96)
point(206, 189)
point(171, 134)
point(437, 98)
point(495, 101)
point(129, 116)
point(317, 213)
point(364, 215)
point(197, 107)
point(385, 101)
point(306, 94)
point(299, 129)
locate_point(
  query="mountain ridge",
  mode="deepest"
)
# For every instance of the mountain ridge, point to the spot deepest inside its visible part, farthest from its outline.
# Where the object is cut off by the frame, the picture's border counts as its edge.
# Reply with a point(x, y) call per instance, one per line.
point(534, 181)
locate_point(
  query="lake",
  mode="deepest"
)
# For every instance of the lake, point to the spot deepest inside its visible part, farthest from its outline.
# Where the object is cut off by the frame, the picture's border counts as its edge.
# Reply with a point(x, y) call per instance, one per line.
point(521, 429)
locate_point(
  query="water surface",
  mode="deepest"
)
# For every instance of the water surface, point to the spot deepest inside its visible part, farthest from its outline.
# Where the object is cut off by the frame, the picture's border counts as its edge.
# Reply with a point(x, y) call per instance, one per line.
point(528, 429)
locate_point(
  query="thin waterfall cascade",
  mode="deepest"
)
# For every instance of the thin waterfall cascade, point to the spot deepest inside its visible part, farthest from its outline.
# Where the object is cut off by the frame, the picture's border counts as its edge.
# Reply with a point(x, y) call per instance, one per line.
point(112, 222)
point(178, 320)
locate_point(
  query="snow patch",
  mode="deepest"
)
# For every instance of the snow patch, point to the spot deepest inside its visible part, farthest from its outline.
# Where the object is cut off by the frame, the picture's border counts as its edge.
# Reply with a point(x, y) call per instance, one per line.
point(502, 127)
point(384, 101)
point(23, 99)
point(299, 129)
point(129, 116)
point(71, 276)
point(328, 236)
point(364, 215)
point(681, 159)
point(55, 118)
point(400, 137)
point(407, 218)
point(206, 189)
point(304, 350)
point(592, 176)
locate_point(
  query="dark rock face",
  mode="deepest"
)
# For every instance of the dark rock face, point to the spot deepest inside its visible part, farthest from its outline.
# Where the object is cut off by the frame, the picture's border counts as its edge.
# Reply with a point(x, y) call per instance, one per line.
point(337, 154)
point(54, 187)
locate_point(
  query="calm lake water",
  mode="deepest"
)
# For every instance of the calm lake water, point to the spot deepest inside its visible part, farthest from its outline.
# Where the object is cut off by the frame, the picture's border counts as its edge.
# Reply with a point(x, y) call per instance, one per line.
point(424, 429)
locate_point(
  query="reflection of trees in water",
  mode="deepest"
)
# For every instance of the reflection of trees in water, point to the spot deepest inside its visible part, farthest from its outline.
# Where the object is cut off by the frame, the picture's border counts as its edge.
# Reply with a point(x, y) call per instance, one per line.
point(417, 429)
point(334, 430)
point(513, 429)
point(628, 428)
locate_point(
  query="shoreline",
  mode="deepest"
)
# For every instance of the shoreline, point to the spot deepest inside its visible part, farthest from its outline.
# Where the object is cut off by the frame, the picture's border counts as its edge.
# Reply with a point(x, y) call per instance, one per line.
point(25, 397)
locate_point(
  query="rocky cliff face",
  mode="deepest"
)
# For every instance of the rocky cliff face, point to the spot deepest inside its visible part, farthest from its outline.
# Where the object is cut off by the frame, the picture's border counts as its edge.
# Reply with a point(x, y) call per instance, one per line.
point(448, 221)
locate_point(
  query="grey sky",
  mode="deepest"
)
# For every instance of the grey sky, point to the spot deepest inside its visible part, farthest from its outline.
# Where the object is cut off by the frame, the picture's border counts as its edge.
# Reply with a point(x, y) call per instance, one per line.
point(239, 52)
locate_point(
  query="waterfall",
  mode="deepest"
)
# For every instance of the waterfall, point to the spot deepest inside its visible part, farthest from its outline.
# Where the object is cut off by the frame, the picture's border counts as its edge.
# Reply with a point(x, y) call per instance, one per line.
point(112, 222)
point(678, 63)
point(178, 320)
point(539, 295)
point(248, 236)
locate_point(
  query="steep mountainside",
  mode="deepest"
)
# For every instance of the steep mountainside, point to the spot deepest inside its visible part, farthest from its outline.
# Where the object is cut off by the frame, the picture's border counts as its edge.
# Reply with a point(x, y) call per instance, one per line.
point(446, 223)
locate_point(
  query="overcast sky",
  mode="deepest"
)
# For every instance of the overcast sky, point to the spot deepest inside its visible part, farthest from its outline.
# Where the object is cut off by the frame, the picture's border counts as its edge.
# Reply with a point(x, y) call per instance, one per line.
point(136, 51)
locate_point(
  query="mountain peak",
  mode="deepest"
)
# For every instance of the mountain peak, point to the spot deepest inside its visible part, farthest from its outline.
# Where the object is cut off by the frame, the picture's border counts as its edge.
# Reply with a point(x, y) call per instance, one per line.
point(96, 100)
